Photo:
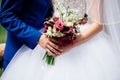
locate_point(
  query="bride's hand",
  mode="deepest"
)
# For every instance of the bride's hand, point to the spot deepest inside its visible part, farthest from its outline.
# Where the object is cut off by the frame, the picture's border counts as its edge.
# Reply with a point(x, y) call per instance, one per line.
point(72, 45)
point(49, 45)
point(84, 36)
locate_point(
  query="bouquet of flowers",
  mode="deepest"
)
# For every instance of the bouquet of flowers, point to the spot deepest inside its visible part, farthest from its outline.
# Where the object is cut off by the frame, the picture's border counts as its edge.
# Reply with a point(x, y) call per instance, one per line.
point(63, 27)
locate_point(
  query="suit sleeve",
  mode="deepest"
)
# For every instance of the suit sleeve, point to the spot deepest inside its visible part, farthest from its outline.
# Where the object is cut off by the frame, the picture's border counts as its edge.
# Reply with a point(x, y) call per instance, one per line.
point(9, 11)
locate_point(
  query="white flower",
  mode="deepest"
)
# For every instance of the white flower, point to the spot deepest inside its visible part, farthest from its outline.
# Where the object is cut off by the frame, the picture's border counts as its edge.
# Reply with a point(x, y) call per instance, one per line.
point(69, 24)
point(51, 32)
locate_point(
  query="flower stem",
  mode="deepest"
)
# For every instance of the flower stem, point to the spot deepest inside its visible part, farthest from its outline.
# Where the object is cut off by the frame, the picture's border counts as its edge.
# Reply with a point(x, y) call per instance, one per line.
point(48, 59)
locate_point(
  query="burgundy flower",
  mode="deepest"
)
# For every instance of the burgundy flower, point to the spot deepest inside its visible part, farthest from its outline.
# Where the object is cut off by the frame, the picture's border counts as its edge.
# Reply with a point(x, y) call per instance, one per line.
point(67, 30)
point(64, 41)
point(49, 23)
point(45, 29)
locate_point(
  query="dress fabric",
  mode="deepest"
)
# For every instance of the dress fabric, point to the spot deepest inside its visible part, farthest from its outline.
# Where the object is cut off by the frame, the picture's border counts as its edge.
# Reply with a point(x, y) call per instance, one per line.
point(96, 59)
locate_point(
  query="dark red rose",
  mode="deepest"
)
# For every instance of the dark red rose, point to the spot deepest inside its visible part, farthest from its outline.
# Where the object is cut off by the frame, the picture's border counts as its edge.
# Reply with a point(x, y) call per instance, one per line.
point(64, 41)
point(67, 30)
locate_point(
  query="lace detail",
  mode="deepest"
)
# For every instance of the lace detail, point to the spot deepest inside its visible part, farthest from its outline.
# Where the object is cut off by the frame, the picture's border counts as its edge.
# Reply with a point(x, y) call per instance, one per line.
point(77, 6)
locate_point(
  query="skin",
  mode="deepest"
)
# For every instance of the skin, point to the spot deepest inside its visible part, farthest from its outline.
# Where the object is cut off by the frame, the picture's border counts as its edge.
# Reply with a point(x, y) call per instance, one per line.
point(90, 32)
point(55, 50)
point(84, 36)
point(2, 47)
point(49, 45)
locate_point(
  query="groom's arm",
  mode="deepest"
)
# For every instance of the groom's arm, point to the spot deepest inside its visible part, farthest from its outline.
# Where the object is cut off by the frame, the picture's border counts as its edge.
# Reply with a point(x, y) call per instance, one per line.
point(9, 18)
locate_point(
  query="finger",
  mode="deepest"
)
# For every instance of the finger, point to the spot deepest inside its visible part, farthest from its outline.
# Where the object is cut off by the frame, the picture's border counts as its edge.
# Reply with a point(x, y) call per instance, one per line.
point(50, 53)
point(54, 41)
point(54, 51)
point(56, 47)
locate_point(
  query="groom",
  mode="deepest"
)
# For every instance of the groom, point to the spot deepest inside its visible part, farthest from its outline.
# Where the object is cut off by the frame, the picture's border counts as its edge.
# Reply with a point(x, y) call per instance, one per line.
point(23, 19)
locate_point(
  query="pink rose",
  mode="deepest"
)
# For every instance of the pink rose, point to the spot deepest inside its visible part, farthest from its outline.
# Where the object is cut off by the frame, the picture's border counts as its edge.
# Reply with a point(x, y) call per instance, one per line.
point(55, 18)
point(59, 24)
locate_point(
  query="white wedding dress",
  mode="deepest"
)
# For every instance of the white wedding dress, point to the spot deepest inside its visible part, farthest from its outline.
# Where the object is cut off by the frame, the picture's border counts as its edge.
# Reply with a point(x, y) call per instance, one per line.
point(95, 59)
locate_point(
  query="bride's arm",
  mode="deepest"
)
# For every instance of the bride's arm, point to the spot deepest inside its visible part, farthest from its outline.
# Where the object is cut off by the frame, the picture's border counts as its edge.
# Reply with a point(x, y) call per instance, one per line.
point(84, 36)
point(95, 27)
point(90, 32)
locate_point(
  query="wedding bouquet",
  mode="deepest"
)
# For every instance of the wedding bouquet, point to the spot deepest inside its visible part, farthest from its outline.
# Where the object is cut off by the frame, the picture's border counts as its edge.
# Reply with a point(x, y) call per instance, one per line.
point(63, 27)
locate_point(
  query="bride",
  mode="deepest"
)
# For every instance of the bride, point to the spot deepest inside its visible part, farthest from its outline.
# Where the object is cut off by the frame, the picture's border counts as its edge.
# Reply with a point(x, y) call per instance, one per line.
point(95, 55)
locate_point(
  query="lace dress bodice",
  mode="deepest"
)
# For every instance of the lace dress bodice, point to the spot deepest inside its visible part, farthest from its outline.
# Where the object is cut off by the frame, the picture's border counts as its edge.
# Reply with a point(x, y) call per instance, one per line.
point(78, 7)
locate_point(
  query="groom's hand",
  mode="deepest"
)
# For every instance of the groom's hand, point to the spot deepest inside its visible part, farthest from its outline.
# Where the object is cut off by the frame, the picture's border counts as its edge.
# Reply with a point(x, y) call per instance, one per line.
point(49, 45)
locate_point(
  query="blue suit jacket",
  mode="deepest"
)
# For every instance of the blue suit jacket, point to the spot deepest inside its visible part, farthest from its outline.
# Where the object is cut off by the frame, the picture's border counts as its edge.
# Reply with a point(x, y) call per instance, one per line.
point(23, 19)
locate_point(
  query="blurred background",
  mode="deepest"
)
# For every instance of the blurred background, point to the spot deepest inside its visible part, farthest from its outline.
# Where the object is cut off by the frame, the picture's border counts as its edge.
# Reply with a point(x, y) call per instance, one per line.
point(2, 43)
point(2, 32)
point(2, 35)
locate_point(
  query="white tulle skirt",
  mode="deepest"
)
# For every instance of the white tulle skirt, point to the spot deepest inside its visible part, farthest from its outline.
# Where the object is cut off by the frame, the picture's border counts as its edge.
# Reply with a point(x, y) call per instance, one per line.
point(94, 60)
